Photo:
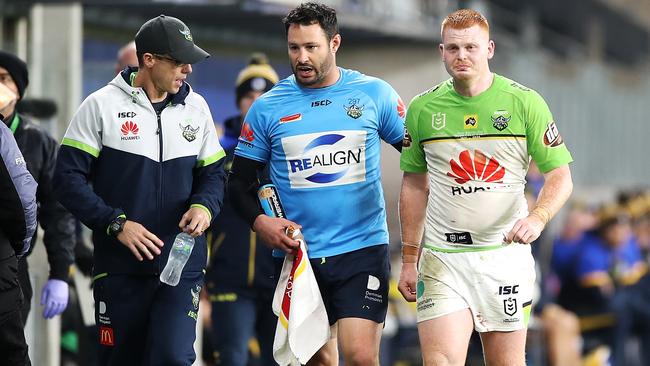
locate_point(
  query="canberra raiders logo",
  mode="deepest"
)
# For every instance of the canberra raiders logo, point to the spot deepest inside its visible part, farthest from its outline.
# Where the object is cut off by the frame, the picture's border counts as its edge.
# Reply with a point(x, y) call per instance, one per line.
point(354, 110)
point(189, 133)
point(500, 119)
point(186, 32)
point(195, 296)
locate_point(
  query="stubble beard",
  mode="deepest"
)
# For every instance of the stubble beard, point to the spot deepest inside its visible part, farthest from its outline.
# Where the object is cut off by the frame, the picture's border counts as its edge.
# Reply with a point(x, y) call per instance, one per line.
point(320, 74)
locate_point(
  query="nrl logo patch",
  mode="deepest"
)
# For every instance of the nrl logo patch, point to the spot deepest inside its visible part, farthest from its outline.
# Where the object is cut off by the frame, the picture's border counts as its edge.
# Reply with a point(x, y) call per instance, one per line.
point(500, 119)
point(438, 120)
point(189, 133)
point(510, 306)
point(354, 110)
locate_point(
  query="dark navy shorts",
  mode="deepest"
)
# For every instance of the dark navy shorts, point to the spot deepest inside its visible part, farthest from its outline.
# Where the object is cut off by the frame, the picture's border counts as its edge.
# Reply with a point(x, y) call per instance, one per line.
point(353, 284)
point(141, 321)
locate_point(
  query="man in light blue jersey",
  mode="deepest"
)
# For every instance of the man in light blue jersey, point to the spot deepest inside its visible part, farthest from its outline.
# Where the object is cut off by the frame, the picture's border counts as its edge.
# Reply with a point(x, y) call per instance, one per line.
point(320, 130)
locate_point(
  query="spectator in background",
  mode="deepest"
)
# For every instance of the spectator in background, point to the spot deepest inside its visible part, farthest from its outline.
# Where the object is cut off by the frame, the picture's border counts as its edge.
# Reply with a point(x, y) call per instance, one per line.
point(17, 225)
point(240, 277)
point(608, 268)
point(39, 150)
point(562, 327)
point(608, 258)
point(126, 56)
point(566, 247)
point(631, 303)
point(639, 209)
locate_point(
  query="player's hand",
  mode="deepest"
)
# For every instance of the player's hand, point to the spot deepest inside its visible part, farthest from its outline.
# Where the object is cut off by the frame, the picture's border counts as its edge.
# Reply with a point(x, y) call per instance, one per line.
point(407, 281)
point(139, 240)
point(272, 231)
point(526, 230)
point(195, 221)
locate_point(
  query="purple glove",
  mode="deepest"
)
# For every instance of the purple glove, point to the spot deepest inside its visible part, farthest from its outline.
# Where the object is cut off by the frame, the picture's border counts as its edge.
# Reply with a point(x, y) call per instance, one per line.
point(54, 297)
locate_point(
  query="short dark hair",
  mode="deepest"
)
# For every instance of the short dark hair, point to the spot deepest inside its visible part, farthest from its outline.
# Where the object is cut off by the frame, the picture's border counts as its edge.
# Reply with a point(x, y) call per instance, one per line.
point(313, 13)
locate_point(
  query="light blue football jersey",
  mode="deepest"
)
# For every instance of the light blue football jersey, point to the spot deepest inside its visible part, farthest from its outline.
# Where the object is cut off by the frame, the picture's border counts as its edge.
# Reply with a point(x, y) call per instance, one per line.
point(323, 147)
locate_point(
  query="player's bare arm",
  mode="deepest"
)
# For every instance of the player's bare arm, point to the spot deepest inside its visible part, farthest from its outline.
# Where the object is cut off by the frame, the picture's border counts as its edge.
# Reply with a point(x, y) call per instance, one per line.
point(412, 208)
point(555, 192)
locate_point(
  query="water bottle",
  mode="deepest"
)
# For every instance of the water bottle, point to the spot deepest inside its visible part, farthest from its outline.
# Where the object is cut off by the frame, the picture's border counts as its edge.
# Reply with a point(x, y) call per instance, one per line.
point(178, 256)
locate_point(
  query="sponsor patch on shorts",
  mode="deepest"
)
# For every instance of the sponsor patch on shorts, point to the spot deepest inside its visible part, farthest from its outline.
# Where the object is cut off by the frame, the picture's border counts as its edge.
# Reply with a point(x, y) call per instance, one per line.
point(106, 337)
point(425, 304)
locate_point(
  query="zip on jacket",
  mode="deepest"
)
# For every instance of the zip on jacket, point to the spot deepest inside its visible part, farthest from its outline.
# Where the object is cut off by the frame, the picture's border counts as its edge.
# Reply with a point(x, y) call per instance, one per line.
point(149, 167)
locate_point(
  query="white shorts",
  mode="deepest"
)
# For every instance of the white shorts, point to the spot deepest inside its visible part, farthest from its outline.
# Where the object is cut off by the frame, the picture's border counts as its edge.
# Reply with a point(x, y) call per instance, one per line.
point(496, 285)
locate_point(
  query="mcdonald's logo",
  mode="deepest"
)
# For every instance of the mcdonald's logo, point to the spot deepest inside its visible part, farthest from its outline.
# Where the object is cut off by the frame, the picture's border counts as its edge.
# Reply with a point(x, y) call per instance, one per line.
point(106, 337)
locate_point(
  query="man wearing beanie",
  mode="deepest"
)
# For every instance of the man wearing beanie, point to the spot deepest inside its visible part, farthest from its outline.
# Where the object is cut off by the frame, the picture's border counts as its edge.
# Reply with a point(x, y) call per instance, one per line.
point(39, 150)
point(255, 79)
point(139, 163)
point(252, 81)
point(239, 279)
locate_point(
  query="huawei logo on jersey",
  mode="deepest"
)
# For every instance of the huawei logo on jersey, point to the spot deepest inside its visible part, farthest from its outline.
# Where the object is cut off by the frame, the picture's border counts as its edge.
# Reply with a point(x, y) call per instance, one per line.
point(129, 127)
point(246, 132)
point(401, 107)
point(478, 168)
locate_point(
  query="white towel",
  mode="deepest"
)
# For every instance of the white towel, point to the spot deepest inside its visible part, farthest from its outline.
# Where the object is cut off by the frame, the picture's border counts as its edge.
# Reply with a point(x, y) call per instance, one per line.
point(303, 327)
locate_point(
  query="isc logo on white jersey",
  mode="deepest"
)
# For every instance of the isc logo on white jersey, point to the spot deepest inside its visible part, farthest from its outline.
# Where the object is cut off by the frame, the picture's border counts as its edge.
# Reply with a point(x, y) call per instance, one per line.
point(326, 159)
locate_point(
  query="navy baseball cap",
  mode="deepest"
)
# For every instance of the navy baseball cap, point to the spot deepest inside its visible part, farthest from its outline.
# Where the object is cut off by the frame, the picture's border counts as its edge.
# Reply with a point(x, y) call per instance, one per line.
point(165, 35)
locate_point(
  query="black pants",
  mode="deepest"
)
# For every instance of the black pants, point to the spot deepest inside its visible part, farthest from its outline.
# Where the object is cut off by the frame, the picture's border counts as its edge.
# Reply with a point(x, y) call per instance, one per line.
point(26, 287)
point(13, 347)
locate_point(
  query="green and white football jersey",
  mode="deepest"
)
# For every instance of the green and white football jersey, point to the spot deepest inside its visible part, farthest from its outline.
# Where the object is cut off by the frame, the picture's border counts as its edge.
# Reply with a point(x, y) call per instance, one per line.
point(476, 151)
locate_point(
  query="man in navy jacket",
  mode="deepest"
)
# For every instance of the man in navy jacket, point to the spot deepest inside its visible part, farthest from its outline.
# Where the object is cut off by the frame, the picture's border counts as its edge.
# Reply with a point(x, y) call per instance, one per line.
point(140, 162)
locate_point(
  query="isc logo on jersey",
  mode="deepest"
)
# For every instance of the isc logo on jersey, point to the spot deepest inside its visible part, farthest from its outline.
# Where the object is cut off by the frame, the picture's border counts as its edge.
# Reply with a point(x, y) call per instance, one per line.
point(324, 159)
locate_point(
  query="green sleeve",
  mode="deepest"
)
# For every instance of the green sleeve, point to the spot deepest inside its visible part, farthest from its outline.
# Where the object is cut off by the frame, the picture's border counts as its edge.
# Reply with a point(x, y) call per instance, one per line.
point(412, 159)
point(545, 144)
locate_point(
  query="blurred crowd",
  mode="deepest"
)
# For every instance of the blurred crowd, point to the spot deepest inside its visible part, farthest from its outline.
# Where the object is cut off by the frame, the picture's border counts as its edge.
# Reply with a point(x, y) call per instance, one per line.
point(598, 280)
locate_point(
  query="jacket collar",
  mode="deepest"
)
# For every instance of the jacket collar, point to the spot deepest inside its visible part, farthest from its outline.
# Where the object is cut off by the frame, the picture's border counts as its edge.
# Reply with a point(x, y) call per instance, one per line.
point(13, 122)
point(124, 79)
